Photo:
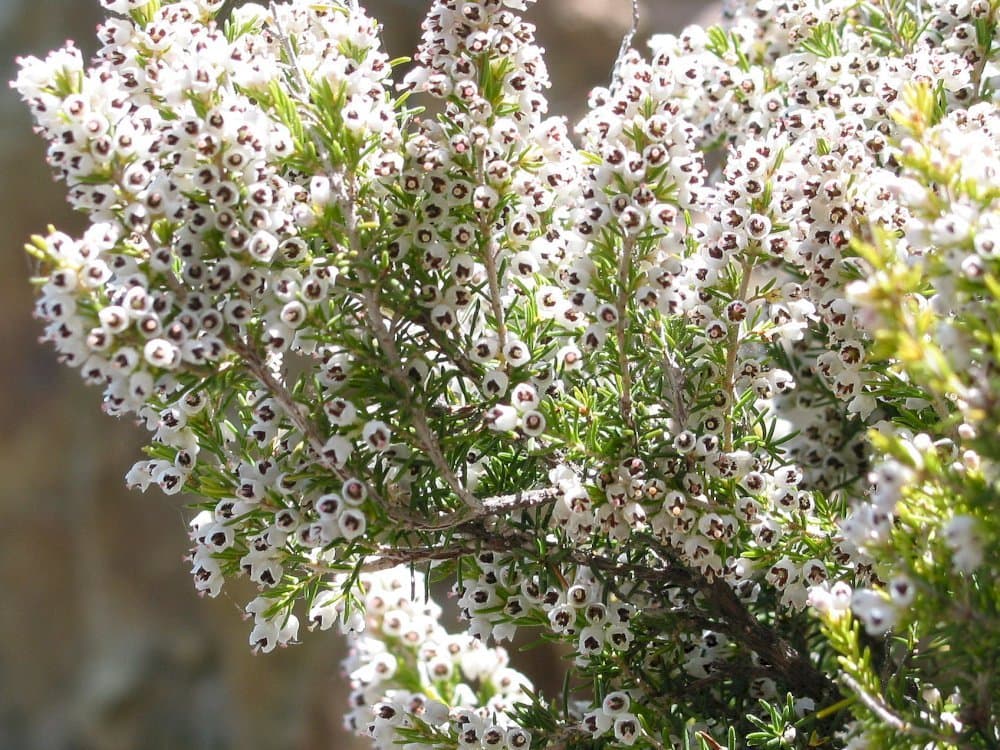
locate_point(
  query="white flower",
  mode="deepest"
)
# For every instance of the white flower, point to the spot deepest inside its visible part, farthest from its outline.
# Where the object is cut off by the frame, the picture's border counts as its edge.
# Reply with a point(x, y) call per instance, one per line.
point(627, 729)
point(874, 611)
point(376, 435)
point(338, 449)
point(962, 536)
point(616, 703)
point(501, 418)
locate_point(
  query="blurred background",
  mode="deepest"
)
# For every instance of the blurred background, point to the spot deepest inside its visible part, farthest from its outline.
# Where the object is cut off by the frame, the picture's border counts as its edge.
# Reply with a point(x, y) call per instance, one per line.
point(103, 643)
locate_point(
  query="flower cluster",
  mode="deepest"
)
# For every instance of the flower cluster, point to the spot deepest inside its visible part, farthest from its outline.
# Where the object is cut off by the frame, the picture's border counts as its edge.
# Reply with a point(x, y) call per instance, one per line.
point(183, 150)
point(408, 674)
point(649, 389)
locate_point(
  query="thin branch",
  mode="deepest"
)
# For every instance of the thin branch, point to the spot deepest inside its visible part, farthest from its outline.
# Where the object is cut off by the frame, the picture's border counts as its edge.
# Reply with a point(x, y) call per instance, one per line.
point(626, 44)
point(980, 67)
point(492, 274)
point(253, 362)
point(675, 378)
point(293, 410)
point(301, 83)
point(465, 365)
point(876, 705)
point(662, 577)
point(737, 622)
point(386, 558)
point(490, 251)
point(794, 667)
point(427, 331)
point(389, 557)
point(425, 436)
point(500, 504)
point(621, 307)
point(893, 24)
point(492, 506)
point(732, 351)
point(370, 294)
point(880, 708)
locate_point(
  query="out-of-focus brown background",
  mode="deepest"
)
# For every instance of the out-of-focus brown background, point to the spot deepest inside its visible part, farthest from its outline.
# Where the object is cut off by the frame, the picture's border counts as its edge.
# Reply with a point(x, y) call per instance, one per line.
point(103, 643)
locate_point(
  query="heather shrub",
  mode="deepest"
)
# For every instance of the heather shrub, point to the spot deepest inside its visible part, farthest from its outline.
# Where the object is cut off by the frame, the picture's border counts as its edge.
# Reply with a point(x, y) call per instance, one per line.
point(704, 387)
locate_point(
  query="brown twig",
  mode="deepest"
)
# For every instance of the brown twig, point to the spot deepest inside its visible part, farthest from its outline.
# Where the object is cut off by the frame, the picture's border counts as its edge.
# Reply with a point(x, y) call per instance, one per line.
point(740, 624)
point(256, 366)
point(492, 506)
point(626, 44)
point(732, 352)
point(490, 253)
point(621, 308)
point(736, 621)
point(426, 438)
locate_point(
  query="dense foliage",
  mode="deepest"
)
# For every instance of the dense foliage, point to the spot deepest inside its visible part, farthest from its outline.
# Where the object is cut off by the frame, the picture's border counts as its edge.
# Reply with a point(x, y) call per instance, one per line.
point(708, 392)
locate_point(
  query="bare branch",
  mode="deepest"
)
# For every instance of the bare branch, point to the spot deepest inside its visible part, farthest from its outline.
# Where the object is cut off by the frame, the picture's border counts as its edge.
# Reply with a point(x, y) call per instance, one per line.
point(621, 308)
point(740, 624)
point(877, 705)
point(388, 557)
point(626, 44)
point(675, 378)
point(375, 322)
point(490, 251)
point(493, 506)
point(732, 352)
point(301, 83)
point(256, 366)
point(425, 436)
